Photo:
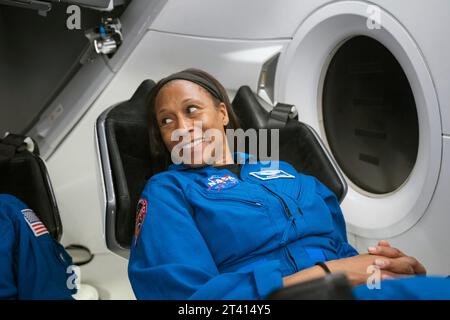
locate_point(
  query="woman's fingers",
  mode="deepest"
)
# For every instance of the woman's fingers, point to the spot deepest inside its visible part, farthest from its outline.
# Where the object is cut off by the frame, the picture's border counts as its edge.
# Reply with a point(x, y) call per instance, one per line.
point(418, 267)
point(394, 265)
point(384, 243)
point(385, 251)
point(403, 265)
point(361, 278)
point(386, 275)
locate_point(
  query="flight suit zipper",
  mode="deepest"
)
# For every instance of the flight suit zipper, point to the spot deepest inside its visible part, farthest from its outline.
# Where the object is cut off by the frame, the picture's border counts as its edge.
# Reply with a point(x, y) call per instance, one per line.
point(299, 209)
point(291, 259)
point(286, 208)
point(231, 198)
point(254, 203)
point(286, 231)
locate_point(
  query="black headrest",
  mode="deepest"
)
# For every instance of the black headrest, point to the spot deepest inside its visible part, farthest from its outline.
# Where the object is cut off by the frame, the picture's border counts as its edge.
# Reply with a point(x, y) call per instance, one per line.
point(129, 157)
point(299, 143)
point(249, 110)
point(24, 175)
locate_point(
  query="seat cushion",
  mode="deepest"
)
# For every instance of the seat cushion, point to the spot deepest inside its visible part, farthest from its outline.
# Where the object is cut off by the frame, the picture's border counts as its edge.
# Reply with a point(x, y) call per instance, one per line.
point(25, 176)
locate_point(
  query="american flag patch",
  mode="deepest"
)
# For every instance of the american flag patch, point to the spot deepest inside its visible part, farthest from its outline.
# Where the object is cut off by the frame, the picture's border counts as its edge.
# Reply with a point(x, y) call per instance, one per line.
point(34, 223)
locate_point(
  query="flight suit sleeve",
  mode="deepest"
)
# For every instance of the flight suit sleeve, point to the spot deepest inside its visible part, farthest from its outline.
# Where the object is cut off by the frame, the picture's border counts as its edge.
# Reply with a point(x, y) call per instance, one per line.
point(411, 288)
point(8, 288)
point(32, 264)
point(344, 249)
point(170, 259)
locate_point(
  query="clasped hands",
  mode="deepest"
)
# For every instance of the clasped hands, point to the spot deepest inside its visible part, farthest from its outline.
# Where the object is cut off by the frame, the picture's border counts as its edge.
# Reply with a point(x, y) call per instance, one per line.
point(391, 262)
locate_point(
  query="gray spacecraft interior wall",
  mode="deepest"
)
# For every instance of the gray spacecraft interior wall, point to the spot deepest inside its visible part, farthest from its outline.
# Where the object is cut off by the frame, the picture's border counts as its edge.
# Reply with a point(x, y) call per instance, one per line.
point(38, 56)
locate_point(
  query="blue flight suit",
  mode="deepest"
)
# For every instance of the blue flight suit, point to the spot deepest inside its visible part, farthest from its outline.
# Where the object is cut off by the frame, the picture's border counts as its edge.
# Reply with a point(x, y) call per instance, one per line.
point(32, 264)
point(412, 288)
point(205, 234)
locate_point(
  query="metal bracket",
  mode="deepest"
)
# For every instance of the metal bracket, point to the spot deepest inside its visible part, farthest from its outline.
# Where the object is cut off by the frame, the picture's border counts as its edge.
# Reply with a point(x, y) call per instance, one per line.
point(106, 38)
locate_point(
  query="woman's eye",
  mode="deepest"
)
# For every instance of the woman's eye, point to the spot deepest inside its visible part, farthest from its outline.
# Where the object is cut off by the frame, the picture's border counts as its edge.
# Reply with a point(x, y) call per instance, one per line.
point(191, 109)
point(166, 121)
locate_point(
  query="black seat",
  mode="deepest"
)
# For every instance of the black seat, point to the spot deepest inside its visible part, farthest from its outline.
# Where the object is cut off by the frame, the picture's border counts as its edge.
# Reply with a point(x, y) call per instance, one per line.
point(299, 143)
point(24, 175)
point(125, 154)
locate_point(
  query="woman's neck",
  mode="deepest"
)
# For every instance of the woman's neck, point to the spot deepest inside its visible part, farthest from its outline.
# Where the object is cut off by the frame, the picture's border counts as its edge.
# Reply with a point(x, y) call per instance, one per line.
point(227, 157)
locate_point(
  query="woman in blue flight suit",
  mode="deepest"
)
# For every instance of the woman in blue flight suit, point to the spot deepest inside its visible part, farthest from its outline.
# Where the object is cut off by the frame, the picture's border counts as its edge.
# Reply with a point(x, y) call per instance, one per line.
point(229, 227)
point(32, 264)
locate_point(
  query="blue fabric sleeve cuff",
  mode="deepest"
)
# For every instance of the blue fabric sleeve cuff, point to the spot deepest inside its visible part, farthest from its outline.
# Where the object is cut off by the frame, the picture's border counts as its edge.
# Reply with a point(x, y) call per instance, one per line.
point(346, 250)
point(268, 278)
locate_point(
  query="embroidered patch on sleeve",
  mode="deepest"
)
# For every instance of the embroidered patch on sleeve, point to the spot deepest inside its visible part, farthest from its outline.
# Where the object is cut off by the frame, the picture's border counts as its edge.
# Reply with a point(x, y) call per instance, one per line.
point(140, 216)
point(35, 224)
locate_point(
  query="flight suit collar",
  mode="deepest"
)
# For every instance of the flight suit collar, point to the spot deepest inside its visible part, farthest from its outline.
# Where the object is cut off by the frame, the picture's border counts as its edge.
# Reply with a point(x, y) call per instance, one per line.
point(239, 157)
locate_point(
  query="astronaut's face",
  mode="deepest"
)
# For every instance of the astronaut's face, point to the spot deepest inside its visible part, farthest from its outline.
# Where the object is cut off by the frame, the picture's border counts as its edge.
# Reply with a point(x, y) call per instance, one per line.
point(192, 123)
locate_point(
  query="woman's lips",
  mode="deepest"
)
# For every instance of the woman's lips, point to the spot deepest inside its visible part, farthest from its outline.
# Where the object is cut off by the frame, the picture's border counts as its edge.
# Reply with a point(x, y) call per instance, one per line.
point(193, 143)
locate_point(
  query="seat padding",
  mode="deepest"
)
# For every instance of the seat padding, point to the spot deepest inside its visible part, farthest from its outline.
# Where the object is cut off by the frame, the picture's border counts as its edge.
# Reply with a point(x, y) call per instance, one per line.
point(300, 147)
point(129, 153)
point(25, 176)
point(299, 144)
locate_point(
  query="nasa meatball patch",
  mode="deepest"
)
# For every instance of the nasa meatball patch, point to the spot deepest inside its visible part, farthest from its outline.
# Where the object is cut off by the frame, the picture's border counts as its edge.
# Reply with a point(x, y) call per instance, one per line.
point(140, 216)
point(217, 183)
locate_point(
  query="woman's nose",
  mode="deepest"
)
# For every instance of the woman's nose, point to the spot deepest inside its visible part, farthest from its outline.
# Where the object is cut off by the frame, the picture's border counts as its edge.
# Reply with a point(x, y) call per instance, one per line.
point(185, 124)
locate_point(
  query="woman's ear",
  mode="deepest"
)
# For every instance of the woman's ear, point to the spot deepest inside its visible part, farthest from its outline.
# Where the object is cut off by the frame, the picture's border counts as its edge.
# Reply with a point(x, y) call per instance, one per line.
point(224, 113)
